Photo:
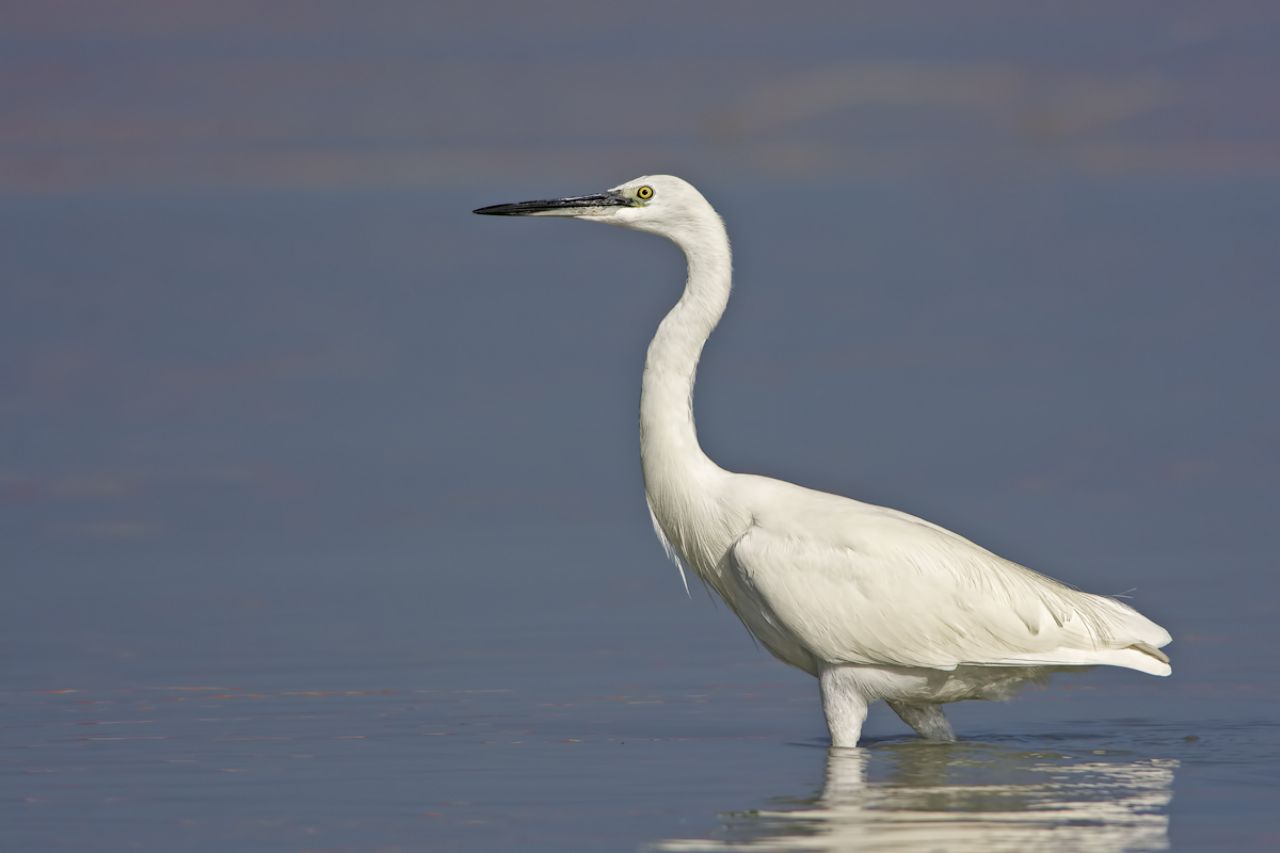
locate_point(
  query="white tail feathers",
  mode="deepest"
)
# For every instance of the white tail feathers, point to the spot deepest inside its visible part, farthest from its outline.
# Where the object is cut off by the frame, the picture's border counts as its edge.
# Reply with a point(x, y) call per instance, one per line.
point(1139, 656)
point(1143, 654)
point(1127, 639)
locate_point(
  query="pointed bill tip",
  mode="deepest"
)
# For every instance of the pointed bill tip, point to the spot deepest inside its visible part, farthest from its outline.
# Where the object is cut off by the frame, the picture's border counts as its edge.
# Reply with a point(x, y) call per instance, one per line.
point(503, 209)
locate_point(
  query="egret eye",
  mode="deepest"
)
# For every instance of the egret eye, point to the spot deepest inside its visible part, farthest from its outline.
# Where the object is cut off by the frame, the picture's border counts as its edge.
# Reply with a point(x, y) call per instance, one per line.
point(644, 193)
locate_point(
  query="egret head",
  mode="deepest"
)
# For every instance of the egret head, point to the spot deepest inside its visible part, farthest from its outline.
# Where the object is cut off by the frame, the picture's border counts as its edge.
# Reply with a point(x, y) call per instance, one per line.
point(661, 204)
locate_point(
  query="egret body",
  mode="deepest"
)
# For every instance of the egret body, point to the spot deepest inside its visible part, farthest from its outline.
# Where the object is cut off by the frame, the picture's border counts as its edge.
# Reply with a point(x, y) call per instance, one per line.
point(876, 603)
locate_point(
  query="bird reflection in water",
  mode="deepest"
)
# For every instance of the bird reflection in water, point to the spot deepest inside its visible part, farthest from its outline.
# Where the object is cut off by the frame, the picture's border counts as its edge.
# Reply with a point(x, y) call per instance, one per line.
point(962, 797)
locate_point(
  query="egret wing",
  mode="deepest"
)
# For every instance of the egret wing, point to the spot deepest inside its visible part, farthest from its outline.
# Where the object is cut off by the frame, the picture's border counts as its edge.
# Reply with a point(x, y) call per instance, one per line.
point(908, 593)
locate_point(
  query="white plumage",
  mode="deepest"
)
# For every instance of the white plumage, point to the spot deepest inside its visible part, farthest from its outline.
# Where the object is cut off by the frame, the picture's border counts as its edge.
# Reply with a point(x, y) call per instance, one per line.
point(876, 603)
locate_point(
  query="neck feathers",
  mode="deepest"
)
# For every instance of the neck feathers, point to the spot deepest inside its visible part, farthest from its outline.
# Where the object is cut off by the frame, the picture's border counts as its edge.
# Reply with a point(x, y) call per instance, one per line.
point(669, 445)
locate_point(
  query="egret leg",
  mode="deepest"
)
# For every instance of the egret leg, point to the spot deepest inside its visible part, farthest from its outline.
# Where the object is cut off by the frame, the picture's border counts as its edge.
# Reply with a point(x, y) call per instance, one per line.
point(927, 720)
point(843, 704)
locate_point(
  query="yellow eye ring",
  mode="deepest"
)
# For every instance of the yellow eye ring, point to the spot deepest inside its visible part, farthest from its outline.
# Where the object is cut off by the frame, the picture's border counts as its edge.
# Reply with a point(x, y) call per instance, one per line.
point(644, 193)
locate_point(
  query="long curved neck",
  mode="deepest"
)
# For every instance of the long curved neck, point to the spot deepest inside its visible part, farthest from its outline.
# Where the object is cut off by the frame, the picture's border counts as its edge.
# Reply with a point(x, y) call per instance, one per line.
point(669, 446)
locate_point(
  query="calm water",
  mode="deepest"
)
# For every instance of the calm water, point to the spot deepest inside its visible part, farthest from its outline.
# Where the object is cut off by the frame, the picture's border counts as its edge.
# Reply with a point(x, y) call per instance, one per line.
point(694, 760)
point(321, 524)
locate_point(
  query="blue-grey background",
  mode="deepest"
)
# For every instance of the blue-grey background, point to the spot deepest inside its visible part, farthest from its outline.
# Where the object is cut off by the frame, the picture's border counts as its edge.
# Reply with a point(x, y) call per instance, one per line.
point(321, 521)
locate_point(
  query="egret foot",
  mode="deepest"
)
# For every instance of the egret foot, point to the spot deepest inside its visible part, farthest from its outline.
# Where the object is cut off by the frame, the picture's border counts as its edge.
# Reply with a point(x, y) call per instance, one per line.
point(926, 719)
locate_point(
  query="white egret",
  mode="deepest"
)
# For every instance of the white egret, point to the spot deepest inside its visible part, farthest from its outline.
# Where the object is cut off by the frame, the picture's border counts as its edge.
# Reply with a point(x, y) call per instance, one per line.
point(875, 603)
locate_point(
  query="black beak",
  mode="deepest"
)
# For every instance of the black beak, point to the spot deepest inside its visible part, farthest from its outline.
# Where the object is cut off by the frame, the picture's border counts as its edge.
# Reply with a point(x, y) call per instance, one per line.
point(557, 206)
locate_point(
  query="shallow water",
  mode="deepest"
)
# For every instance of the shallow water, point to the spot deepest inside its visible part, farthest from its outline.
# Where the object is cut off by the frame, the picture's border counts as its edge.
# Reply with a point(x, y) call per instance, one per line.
point(207, 767)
